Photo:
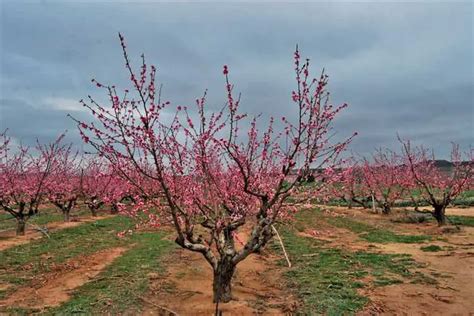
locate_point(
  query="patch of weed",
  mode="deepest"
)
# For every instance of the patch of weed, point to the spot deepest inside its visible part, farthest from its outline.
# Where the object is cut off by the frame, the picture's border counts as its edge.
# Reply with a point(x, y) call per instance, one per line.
point(374, 234)
point(462, 220)
point(431, 248)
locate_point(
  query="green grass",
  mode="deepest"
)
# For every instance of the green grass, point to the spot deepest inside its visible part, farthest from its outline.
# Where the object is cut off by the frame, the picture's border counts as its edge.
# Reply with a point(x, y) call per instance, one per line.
point(118, 288)
point(327, 279)
point(374, 234)
point(315, 219)
point(462, 220)
point(18, 265)
point(326, 283)
point(431, 248)
point(115, 290)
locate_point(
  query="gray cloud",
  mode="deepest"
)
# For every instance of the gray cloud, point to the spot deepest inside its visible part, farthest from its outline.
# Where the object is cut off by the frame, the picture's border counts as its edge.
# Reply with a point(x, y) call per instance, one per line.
point(403, 67)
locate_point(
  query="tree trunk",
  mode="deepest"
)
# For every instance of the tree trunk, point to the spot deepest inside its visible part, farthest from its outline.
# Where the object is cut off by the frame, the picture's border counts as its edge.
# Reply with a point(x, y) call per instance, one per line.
point(222, 287)
point(93, 211)
point(439, 214)
point(374, 209)
point(66, 216)
point(114, 209)
point(21, 227)
point(361, 202)
point(349, 204)
point(386, 208)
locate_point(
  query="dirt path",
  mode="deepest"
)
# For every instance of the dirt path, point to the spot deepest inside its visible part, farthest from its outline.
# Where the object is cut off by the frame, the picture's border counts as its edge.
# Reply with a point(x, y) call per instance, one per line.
point(8, 238)
point(54, 288)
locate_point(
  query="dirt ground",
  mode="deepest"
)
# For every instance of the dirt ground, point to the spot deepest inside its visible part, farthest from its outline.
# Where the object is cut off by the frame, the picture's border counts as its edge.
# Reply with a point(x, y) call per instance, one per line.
point(51, 289)
point(187, 288)
point(259, 287)
point(453, 295)
point(453, 268)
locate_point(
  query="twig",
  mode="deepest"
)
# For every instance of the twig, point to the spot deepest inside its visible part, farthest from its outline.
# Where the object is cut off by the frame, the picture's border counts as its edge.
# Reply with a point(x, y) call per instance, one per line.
point(447, 288)
point(282, 246)
point(158, 306)
point(43, 230)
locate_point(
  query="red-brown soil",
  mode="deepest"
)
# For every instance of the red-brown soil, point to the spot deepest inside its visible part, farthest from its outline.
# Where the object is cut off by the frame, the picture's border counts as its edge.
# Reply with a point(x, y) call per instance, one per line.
point(258, 286)
point(187, 288)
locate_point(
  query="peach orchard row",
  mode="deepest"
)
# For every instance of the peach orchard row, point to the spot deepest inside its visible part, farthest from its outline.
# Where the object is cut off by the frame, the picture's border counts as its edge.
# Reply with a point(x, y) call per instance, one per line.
point(208, 173)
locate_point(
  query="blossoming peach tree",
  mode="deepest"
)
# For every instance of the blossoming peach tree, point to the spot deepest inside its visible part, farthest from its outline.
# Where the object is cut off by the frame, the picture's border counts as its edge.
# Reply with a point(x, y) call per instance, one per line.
point(347, 184)
point(386, 177)
point(63, 188)
point(24, 177)
point(211, 173)
point(95, 184)
point(438, 187)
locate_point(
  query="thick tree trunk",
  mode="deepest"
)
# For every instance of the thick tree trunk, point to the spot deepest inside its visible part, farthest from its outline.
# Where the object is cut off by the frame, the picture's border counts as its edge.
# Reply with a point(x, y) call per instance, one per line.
point(93, 211)
point(66, 216)
point(439, 214)
point(222, 287)
point(21, 227)
point(114, 209)
point(386, 208)
point(349, 204)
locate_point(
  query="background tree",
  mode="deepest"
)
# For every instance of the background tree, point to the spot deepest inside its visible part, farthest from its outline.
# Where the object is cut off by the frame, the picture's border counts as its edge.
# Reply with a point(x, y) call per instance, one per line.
point(347, 184)
point(439, 187)
point(24, 176)
point(95, 180)
point(386, 178)
point(64, 188)
point(118, 192)
point(212, 178)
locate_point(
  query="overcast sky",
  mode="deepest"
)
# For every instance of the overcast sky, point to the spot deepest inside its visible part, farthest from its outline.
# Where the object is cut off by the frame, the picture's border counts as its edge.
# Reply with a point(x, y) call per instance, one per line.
point(403, 67)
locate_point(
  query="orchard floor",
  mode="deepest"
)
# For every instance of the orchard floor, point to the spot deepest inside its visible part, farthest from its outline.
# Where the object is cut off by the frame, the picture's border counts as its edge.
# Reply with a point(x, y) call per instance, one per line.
point(344, 262)
point(447, 258)
point(9, 239)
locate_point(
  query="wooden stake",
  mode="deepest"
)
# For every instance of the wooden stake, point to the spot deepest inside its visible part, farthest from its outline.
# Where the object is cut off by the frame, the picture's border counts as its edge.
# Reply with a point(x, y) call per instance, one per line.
point(282, 246)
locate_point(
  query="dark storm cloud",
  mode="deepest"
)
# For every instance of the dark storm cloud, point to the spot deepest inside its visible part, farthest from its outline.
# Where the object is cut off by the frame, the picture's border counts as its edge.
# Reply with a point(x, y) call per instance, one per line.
point(403, 67)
